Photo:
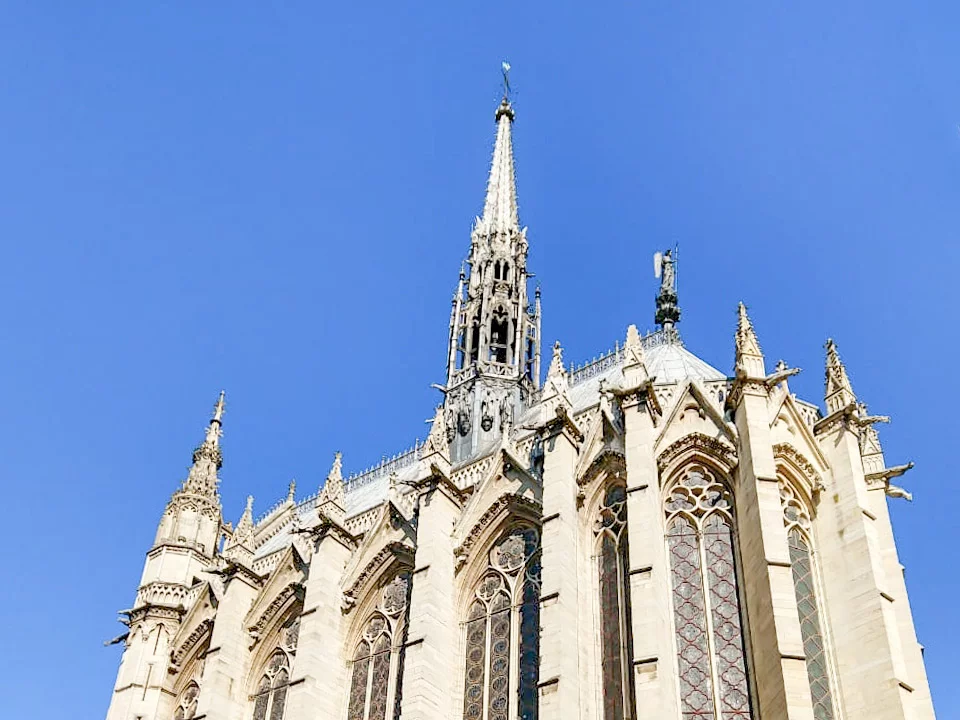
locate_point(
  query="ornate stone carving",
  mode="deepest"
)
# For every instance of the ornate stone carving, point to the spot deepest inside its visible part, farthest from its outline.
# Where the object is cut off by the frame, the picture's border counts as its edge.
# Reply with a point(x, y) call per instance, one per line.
point(394, 551)
point(786, 451)
point(508, 502)
point(698, 443)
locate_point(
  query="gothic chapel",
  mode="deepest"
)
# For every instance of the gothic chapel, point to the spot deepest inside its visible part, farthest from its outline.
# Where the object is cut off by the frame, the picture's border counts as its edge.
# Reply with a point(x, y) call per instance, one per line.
point(643, 536)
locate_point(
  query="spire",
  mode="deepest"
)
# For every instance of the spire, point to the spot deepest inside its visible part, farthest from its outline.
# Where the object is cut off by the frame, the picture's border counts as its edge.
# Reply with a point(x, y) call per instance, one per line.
point(207, 458)
point(331, 501)
point(838, 392)
point(500, 208)
point(749, 358)
point(634, 362)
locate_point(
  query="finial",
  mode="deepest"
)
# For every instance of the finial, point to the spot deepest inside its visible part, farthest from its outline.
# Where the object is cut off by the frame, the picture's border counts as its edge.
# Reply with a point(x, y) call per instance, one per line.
point(292, 490)
point(336, 470)
point(436, 441)
point(668, 312)
point(505, 68)
point(249, 510)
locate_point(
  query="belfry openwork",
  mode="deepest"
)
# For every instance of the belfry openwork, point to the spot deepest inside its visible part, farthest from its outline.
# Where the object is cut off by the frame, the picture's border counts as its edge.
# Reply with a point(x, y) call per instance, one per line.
point(642, 536)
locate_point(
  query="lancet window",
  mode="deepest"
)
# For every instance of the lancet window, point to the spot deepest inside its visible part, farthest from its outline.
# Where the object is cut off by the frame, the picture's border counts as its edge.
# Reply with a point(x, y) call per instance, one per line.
point(187, 702)
point(613, 564)
point(378, 656)
point(797, 521)
point(706, 603)
point(270, 698)
point(503, 632)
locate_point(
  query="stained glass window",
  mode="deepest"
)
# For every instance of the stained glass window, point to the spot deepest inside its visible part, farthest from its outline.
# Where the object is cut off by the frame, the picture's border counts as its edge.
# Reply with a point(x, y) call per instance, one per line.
point(506, 599)
point(711, 659)
point(378, 658)
point(615, 606)
point(270, 700)
point(797, 520)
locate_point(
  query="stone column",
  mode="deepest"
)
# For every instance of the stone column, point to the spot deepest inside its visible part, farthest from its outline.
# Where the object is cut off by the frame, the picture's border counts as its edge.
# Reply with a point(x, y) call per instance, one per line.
point(860, 598)
point(653, 662)
point(223, 693)
point(559, 626)
point(320, 681)
point(431, 666)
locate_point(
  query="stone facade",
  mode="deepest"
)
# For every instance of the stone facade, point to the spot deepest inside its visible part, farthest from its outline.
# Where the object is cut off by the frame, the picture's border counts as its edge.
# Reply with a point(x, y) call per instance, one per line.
point(643, 536)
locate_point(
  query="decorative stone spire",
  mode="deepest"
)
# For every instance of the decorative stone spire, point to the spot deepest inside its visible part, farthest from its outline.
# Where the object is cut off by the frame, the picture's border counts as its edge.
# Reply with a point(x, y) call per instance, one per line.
point(634, 361)
point(332, 502)
point(207, 459)
point(749, 358)
point(243, 535)
point(500, 208)
point(557, 383)
point(838, 392)
point(436, 442)
point(291, 491)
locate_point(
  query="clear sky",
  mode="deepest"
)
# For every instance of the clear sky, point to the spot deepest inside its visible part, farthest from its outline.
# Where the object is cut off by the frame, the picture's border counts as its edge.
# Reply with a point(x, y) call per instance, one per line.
point(275, 199)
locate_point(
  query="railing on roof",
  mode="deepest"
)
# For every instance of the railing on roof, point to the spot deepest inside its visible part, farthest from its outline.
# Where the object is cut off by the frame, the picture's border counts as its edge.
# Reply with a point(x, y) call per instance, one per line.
point(597, 365)
point(386, 466)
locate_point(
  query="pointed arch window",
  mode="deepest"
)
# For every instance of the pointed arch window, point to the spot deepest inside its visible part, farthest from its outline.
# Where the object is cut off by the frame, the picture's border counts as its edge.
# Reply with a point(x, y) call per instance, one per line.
point(187, 702)
point(711, 656)
point(375, 683)
point(270, 698)
point(613, 564)
point(797, 521)
point(502, 659)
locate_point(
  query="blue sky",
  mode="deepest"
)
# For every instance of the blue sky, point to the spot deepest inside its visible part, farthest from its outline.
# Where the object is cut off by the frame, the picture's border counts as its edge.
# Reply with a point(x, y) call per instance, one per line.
point(276, 200)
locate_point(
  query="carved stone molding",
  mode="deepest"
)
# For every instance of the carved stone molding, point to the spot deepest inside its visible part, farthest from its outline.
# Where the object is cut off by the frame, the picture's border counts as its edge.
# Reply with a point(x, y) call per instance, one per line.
point(725, 455)
point(193, 640)
point(394, 551)
point(786, 451)
point(608, 461)
point(506, 503)
point(286, 596)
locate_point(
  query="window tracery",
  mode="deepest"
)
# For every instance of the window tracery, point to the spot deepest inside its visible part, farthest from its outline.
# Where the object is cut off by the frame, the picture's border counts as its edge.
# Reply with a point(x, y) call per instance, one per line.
point(797, 521)
point(613, 567)
point(502, 657)
point(270, 698)
point(187, 702)
point(378, 657)
point(711, 656)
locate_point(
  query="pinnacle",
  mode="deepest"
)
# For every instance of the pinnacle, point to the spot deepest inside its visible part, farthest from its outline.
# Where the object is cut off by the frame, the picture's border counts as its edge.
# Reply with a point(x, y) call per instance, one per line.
point(838, 391)
point(556, 362)
point(749, 356)
point(436, 441)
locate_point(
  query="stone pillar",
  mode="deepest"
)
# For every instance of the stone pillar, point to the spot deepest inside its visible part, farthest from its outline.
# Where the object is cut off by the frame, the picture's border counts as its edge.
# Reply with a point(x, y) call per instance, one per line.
point(431, 666)
point(860, 597)
point(778, 661)
point(320, 681)
point(653, 662)
point(140, 691)
point(559, 626)
point(223, 692)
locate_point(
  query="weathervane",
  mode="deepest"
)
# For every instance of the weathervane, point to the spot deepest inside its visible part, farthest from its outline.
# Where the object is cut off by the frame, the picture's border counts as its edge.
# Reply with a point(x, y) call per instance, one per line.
point(505, 68)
